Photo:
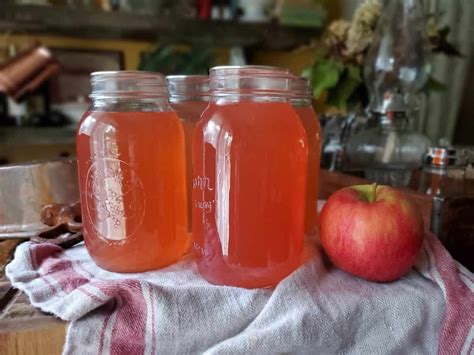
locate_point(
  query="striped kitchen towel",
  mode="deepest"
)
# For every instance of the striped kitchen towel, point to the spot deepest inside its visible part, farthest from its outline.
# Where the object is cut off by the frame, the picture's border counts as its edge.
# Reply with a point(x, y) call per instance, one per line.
point(317, 309)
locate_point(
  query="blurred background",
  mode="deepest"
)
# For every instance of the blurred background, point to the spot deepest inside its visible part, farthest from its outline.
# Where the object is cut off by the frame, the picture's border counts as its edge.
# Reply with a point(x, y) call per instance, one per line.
point(48, 48)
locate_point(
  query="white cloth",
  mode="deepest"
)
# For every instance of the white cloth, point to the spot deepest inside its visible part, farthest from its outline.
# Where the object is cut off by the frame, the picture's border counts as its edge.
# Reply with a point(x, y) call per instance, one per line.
point(317, 309)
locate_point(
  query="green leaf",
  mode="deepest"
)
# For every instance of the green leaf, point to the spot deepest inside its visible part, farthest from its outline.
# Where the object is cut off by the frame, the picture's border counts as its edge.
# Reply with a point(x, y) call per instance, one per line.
point(349, 82)
point(442, 44)
point(325, 76)
point(197, 62)
point(171, 60)
point(444, 31)
point(434, 85)
point(447, 48)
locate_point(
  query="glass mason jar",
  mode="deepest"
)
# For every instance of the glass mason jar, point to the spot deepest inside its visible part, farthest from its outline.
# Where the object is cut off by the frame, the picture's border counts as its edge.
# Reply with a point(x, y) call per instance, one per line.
point(189, 96)
point(131, 161)
point(389, 152)
point(443, 173)
point(301, 102)
point(445, 178)
point(249, 179)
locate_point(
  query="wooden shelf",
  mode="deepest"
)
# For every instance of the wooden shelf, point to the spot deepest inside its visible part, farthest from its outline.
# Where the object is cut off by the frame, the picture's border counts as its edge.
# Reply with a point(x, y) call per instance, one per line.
point(57, 20)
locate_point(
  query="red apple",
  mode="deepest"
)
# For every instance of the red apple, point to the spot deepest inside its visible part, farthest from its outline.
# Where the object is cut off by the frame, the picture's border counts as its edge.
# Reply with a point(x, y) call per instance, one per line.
point(373, 232)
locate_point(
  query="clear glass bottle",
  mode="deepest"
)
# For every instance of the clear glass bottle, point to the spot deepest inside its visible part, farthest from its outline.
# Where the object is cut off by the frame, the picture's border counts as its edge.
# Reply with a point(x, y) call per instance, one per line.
point(444, 178)
point(249, 179)
point(301, 102)
point(189, 96)
point(131, 162)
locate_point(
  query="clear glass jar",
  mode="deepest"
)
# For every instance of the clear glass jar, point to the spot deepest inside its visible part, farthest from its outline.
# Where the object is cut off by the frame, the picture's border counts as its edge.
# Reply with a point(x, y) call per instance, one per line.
point(444, 177)
point(301, 102)
point(249, 179)
point(131, 162)
point(389, 152)
point(444, 172)
point(189, 96)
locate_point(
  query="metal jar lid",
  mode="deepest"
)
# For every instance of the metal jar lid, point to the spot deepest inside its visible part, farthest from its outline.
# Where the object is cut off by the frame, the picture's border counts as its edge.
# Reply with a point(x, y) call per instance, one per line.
point(443, 157)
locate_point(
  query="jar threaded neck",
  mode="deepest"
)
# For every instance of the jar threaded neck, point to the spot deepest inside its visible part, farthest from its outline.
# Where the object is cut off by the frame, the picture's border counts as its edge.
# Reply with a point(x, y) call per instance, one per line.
point(128, 84)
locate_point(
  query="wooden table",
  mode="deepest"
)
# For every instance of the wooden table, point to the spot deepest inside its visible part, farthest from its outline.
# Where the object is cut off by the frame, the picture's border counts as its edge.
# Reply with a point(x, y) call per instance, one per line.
point(26, 330)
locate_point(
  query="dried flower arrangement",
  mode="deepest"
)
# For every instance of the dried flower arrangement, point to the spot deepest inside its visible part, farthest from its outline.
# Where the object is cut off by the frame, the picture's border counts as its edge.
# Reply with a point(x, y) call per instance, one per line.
point(339, 57)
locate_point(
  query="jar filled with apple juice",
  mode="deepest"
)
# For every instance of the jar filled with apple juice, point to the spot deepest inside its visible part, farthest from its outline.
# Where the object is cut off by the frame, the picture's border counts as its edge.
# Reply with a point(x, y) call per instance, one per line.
point(249, 179)
point(189, 96)
point(301, 102)
point(131, 161)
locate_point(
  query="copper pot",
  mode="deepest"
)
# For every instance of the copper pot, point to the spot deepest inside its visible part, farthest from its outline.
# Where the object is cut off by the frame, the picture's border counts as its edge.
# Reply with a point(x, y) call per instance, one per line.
point(26, 72)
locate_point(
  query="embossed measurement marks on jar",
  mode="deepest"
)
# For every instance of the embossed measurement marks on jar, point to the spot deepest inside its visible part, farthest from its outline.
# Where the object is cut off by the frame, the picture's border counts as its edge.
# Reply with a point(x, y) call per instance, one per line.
point(203, 183)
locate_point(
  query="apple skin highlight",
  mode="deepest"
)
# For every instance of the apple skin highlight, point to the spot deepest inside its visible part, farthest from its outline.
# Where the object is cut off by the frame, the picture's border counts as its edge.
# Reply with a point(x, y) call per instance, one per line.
point(377, 241)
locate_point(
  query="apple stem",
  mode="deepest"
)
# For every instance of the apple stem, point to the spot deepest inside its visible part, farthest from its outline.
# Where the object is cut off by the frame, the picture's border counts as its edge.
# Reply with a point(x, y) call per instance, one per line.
point(374, 191)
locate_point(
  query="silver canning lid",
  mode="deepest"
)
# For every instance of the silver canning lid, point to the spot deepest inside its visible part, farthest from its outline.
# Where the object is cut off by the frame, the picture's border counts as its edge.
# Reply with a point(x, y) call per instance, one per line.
point(188, 87)
point(442, 157)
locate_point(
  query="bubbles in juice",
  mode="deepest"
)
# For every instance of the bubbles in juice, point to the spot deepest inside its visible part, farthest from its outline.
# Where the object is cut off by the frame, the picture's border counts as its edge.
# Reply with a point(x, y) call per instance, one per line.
point(132, 180)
